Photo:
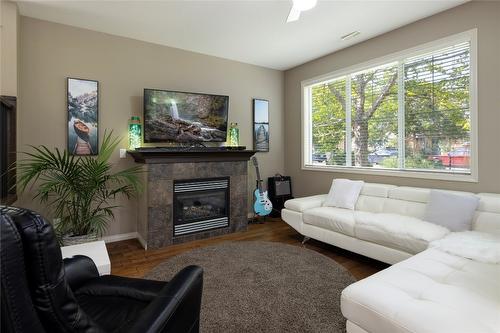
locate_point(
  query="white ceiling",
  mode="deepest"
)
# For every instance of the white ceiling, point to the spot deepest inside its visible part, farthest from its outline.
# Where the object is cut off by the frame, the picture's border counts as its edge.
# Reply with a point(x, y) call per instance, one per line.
point(253, 32)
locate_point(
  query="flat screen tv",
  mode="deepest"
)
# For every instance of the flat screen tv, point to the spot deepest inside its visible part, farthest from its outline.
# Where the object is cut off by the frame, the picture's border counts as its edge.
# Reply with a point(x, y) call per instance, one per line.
point(174, 116)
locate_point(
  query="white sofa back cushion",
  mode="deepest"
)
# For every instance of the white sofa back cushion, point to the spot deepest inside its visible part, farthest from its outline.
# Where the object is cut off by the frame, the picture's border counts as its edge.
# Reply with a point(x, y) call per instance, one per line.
point(372, 197)
point(414, 194)
point(377, 190)
point(403, 207)
point(487, 216)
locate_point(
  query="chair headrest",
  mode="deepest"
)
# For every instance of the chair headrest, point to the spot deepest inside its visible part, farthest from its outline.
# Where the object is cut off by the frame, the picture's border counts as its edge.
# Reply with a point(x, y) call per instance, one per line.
point(50, 293)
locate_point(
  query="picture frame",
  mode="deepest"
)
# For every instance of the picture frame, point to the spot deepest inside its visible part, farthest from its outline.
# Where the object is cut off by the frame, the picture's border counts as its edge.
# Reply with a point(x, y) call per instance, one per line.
point(260, 125)
point(82, 106)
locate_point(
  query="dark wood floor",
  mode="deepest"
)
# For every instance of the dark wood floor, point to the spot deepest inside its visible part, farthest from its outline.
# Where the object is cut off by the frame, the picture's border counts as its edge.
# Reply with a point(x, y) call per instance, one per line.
point(128, 258)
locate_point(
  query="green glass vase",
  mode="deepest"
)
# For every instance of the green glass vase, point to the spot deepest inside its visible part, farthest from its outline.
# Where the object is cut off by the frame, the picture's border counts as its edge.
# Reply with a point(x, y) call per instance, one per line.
point(134, 133)
point(234, 135)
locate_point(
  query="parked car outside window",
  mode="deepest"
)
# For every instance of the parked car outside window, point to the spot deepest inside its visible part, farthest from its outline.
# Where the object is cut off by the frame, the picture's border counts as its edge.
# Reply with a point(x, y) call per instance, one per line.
point(319, 157)
point(457, 158)
point(379, 155)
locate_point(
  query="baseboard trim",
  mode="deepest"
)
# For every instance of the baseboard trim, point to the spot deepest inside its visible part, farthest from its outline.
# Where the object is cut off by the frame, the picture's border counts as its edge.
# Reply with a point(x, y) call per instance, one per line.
point(120, 237)
point(142, 241)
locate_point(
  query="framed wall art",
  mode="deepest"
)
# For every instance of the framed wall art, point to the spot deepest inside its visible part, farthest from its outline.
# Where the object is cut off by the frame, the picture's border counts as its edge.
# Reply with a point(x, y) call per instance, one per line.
point(261, 125)
point(83, 129)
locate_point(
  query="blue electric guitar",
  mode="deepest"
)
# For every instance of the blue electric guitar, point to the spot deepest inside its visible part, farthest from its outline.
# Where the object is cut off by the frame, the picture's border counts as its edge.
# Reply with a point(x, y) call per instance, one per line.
point(262, 205)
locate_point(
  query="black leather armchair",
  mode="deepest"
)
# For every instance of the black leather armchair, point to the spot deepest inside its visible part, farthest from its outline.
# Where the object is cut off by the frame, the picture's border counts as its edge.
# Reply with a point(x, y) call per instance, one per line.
point(43, 293)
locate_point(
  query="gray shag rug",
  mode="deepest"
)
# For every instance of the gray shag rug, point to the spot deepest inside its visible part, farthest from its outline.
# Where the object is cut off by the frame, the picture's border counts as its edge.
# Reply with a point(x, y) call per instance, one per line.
point(264, 287)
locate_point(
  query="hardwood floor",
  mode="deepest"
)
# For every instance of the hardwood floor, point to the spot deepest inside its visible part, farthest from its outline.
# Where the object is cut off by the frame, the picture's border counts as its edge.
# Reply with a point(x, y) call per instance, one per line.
point(128, 258)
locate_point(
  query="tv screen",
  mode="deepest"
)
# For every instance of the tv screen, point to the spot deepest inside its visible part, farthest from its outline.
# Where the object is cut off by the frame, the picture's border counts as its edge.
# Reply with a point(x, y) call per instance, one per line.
point(184, 117)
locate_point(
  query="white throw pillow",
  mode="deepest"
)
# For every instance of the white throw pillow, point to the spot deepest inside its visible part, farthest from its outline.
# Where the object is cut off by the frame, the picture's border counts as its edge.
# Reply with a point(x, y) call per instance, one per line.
point(344, 193)
point(453, 211)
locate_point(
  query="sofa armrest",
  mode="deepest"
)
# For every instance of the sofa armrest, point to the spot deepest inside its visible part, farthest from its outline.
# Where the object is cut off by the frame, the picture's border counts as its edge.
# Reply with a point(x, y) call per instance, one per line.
point(79, 269)
point(176, 308)
point(305, 203)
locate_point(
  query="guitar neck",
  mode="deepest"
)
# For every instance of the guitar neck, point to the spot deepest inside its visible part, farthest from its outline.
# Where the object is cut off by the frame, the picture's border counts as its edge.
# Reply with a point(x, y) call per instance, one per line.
point(259, 181)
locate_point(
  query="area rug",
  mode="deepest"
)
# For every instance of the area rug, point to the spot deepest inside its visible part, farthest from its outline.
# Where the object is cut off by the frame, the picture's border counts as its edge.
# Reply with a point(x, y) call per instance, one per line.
point(264, 287)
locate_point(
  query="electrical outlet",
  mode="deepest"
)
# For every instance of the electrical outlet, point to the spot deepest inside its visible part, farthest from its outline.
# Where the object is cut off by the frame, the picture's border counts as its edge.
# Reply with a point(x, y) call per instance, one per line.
point(123, 153)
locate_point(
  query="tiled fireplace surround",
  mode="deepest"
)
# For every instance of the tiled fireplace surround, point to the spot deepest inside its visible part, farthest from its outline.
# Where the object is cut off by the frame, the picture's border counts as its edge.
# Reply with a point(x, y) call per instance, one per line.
point(155, 224)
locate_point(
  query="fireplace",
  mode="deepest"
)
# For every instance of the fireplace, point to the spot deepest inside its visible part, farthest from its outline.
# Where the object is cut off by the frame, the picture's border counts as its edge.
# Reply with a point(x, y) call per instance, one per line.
point(200, 205)
point(184, 192)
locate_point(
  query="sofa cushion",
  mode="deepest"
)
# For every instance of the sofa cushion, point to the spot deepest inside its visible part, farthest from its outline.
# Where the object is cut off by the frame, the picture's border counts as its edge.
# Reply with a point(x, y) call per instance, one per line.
point(301, 204)
point(331, 218)
point(430, 292)
point(453, 211)
point(377, 190)
point(403, 207)
point(475, 245)
point(415, 194)
point(487, 222)
point(489, 202)
point(344, 193)
point(487, 216)
point(370, 203)
point(397, 231)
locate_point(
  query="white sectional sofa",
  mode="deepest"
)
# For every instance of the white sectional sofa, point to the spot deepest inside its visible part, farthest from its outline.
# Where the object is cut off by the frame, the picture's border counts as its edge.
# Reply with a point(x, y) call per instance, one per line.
point(426, 290)
point(386, 224)
point(431, 292)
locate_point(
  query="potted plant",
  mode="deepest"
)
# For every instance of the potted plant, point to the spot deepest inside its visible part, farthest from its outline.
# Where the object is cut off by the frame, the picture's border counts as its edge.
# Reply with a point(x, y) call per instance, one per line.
point(81, 190)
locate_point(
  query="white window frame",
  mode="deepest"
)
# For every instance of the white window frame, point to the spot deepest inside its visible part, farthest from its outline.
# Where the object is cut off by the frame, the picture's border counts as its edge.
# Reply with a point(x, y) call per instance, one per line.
point(306, 132)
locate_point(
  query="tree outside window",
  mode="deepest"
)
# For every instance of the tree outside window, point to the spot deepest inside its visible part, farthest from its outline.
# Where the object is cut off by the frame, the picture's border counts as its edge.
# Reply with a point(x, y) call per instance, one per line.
point(409, 114)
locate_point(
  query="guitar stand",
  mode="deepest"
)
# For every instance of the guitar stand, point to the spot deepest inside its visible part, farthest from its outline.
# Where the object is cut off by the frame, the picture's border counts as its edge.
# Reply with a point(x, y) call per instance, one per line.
point(257, 219)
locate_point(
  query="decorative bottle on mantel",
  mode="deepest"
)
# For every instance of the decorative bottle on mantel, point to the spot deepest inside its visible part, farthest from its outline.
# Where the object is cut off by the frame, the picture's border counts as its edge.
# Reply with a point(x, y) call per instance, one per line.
point(134, 133)
point(234, 135)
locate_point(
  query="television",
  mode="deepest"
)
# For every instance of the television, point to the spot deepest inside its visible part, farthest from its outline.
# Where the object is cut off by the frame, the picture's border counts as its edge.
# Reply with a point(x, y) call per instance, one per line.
point(174, 116)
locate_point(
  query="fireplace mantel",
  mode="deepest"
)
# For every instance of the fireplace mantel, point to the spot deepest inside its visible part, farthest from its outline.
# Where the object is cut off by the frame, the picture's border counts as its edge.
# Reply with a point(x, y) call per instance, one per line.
point(187, 156)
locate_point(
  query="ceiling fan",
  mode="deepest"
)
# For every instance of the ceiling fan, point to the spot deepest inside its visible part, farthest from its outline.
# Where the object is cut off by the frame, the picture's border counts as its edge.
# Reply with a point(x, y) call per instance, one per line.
point(298, 7)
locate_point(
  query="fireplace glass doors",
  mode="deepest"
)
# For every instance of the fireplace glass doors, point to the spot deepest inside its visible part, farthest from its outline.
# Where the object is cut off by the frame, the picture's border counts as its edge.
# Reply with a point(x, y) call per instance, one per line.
point(200, 205)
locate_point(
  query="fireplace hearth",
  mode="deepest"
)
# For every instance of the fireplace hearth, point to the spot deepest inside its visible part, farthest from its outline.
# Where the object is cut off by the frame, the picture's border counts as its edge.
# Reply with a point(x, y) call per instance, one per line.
point(200, 205)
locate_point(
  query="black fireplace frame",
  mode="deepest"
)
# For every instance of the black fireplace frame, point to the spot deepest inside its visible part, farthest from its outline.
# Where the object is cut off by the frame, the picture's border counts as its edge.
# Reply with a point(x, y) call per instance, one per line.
point(8, 108)
point(227, 200)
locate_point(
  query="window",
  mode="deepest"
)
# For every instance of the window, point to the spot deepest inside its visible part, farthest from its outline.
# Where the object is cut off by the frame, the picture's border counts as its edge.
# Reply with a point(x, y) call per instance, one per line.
point(412, 114)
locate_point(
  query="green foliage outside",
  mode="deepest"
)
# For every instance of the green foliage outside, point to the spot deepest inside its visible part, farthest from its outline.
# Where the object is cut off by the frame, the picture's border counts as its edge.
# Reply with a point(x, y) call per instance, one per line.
point(412, 162)
point(436, 104)
point(328, 120)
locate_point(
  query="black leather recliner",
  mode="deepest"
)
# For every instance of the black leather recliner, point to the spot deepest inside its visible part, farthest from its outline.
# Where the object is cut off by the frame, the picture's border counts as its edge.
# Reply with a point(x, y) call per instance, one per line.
point(43, 293)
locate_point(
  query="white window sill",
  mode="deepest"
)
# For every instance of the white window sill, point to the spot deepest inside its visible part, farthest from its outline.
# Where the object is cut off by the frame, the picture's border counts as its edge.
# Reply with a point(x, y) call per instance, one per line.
point(437, 175)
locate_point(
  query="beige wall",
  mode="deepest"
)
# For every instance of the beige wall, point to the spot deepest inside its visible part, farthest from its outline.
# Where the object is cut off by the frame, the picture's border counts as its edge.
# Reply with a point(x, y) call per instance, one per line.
point(9, 22)
point(124, 67)
point(485, 16)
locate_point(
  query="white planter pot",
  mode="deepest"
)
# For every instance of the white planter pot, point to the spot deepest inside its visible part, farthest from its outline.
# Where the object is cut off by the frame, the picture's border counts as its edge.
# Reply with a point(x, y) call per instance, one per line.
point(74, 240)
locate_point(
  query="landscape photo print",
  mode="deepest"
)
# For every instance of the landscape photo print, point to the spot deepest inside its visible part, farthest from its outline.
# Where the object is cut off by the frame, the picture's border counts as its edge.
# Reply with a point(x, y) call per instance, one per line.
point(82, 116)
point(261, 125)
